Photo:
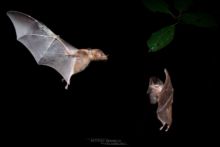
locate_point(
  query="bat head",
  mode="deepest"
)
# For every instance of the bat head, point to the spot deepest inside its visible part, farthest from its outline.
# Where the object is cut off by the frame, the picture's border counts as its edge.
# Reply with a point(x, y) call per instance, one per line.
point(155, 81)
point(97, 54)
point(154, 89)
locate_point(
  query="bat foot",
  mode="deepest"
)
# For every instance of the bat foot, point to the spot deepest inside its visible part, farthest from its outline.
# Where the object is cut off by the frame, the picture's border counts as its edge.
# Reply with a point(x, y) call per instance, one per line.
point(162, 127)
point(167, 128)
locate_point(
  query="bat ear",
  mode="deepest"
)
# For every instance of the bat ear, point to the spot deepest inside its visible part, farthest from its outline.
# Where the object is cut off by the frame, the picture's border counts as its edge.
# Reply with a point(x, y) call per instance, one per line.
point(155, 80)
point(151, 80)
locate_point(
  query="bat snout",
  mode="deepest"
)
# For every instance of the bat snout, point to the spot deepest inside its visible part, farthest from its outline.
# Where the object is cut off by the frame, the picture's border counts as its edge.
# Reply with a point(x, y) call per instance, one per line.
point(101, 56)
point(104, 57)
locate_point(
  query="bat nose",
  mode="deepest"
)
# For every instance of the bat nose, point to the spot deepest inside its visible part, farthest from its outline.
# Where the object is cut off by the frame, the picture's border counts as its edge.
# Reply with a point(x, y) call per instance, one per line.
point(105, 57)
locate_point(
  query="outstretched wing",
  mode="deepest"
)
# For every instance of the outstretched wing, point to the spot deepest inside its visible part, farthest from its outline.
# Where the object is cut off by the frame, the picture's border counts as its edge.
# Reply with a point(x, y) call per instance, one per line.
point(45, 46)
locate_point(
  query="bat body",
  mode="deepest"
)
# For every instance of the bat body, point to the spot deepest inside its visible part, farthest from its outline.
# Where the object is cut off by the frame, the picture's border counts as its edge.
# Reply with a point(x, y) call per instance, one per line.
point(49, 49)
point(162, 94)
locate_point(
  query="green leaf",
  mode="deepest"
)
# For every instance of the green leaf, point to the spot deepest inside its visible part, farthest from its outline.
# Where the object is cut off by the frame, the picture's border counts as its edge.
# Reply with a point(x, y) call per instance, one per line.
point(161, 38)
point(157, 6)
point(199, 19)
point(182, 5)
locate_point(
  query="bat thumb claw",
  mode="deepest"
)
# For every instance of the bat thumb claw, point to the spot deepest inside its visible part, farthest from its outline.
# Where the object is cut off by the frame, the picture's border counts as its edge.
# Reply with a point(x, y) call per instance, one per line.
point(66, 87)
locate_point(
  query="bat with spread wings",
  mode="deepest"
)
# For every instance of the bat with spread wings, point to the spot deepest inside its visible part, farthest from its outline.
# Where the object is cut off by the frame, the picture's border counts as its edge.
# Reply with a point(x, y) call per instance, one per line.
point(162, 94)
point(49, 49)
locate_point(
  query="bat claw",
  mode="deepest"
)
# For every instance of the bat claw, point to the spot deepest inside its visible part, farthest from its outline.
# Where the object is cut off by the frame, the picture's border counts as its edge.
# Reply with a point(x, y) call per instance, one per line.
point(67, 84)
point(167, 128)
point(162, 127)
point(66, 87)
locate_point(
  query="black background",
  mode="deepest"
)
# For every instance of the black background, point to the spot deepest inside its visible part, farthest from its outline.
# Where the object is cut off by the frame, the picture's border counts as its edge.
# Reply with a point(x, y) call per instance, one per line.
point(108, 99)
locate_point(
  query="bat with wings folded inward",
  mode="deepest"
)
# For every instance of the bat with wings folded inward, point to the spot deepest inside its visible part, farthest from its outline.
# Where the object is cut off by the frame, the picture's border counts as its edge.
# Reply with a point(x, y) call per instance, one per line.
point(49, 49)
point(162, 94)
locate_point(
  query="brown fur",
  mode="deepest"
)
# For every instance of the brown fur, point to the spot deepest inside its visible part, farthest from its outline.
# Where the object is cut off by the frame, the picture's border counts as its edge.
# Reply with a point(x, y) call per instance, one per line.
point(162, 94)
point(84, 56)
